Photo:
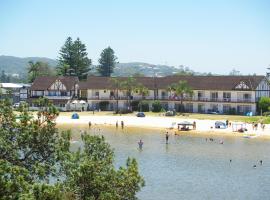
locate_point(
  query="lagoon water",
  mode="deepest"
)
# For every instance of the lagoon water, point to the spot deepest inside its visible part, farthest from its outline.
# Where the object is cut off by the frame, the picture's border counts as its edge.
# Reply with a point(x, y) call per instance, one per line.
point(189, 167)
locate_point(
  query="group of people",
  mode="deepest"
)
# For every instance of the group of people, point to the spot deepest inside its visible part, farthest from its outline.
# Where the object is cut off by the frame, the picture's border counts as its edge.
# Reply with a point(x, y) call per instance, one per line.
point(122, 124)
point(255, 126)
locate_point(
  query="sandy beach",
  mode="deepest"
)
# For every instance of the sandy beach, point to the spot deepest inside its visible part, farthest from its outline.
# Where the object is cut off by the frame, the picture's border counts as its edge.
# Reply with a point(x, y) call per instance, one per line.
point(202, 126)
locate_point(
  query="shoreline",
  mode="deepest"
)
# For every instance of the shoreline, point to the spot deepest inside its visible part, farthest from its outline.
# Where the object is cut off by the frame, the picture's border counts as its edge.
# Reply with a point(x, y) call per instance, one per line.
point(203, 127)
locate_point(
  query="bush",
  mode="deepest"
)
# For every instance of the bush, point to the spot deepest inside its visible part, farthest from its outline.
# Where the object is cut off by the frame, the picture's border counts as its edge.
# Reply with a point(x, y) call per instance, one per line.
point(135, 105)
point(143, 106)
point(156, 106)
point(264, 104)
point(103, 105)
point(124, 111)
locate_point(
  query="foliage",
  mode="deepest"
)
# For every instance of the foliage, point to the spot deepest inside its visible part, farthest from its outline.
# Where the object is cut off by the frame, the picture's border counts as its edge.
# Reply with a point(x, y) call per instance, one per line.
point(4, 78)
point(156, 106)
point(38, 68)
point(36, 161)
point(135, 105)
point(142, 90)
point(264, 104)
point(73, 59)
point(182, 90)
point(144, 106)
point(107, 62)
point(103, 105)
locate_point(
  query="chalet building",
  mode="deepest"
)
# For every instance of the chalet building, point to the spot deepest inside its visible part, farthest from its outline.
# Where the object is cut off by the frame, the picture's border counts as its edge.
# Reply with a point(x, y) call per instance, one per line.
point(59, 90)
point(15, 92)
point(221, 94)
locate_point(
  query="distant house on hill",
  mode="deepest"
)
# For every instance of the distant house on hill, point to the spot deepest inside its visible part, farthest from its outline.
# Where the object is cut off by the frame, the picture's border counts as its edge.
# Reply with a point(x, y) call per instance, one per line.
point(59, 90)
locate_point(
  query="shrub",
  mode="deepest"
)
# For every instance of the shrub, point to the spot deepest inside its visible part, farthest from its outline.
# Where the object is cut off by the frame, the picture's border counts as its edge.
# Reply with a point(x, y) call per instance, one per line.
point(135, 105)
point(156, 106)
point(264, 104)
point(143, 106)
point(103, 105)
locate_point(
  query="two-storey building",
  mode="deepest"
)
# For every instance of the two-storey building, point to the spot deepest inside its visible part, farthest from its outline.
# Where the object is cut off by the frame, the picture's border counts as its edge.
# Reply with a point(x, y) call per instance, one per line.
point(59, 90)
point(222, 94)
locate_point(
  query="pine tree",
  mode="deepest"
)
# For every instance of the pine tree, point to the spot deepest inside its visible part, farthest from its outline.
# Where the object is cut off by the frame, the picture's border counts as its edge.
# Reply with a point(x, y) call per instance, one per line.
point(107, 62)
point(73, 59)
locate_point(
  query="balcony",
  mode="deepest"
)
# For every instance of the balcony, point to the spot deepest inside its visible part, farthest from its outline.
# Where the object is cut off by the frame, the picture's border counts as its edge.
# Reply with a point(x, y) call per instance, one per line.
point(175, 98)
point(58, 97)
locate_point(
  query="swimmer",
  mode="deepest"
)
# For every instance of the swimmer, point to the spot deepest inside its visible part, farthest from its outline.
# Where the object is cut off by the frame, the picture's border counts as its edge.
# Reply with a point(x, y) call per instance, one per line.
point(261, 162)
point(140, 143)
point(254, 166)
point(230, 160)
point(167, 137)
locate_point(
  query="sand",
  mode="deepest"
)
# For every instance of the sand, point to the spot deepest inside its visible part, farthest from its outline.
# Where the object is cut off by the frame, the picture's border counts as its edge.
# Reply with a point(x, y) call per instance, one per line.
point(202, 126)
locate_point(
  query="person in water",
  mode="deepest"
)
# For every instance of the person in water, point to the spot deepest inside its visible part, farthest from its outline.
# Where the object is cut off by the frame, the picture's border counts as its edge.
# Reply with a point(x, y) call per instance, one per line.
point(167, 137)
point(140, 143)
point(261, 162)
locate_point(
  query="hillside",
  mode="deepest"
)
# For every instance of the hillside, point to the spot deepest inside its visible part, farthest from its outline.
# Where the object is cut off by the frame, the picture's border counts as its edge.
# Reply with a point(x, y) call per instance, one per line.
point(16, 65)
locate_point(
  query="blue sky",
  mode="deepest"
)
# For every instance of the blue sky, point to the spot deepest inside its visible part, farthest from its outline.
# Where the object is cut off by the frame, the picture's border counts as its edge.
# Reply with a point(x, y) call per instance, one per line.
point(207, 36)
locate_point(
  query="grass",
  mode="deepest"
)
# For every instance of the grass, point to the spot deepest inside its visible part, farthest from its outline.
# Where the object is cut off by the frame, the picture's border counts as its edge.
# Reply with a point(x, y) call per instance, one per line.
point(247, 119)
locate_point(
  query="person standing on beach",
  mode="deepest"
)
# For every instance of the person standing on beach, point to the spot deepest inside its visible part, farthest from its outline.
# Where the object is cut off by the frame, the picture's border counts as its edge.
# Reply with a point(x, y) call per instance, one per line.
point(167, 137)
point(122, 124)
point(89, 124)
point(116, 124)
point(194, 125)
point(227, 123)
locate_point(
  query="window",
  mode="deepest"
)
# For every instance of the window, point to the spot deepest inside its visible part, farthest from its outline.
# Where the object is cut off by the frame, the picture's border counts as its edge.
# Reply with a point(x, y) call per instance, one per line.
point(214, 107)
point(63, 93)
point(226, 96)
point(214, 96)
point(52, 93)
point(97, 93)
point(189, 107)
point(201, 108)
point(244, 109)
point(226, 108)
point(200, 95)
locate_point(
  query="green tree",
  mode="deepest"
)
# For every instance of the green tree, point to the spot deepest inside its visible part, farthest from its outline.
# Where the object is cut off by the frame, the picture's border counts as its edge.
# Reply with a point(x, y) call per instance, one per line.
point(107, 62)
point(129, 85)
point(73, 59)
point(181, 89)
point(3, 77)
point(116, 83)
point(264, 104)
point(36, 161)
point(38, 68)
point(143, 91)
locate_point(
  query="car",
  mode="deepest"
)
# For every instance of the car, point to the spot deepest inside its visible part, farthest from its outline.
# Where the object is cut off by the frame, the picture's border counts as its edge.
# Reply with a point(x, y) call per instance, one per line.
point(16, 105)
point(140, 114)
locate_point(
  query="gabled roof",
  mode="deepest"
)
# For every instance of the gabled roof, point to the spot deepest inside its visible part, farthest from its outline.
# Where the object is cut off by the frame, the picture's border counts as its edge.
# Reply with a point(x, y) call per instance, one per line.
point(44, 82)
point(195, 82)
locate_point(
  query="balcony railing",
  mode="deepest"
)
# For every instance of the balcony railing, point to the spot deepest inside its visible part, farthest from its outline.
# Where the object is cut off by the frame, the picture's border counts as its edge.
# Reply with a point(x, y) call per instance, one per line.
point(175, 98)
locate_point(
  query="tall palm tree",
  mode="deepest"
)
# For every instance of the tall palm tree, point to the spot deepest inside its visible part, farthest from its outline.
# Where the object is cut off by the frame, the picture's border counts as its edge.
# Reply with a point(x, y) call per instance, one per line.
point(33, 70)
point(181, 89)
point(129, 86)
point(143, 91)
point(116, 84)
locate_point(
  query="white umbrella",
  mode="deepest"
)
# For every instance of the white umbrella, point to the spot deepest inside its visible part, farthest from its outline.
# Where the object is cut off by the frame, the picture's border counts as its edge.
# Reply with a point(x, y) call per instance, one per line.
point(75, 102)
point(82, 102)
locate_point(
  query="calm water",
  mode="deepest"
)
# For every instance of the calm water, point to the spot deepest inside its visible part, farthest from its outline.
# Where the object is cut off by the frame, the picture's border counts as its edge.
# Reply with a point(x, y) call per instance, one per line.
point(190, 167)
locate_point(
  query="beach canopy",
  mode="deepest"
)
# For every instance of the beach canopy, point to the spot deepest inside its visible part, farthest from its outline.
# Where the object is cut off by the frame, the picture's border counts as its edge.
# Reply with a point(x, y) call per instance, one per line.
point(82, 102)
point(185, 123)
point(75, 116)
point(75, 102)
point(220, 124)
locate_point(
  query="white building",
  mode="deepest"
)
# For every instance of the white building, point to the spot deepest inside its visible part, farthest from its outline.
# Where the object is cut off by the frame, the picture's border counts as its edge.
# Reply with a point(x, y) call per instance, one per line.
point(222, 94)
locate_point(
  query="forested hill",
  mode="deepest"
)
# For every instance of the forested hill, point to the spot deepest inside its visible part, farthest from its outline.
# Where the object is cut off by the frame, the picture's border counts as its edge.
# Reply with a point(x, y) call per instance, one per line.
point(15, 65)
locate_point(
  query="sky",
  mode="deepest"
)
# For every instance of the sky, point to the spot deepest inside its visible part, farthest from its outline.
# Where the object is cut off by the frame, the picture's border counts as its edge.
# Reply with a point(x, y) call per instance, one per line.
point(205, 35)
